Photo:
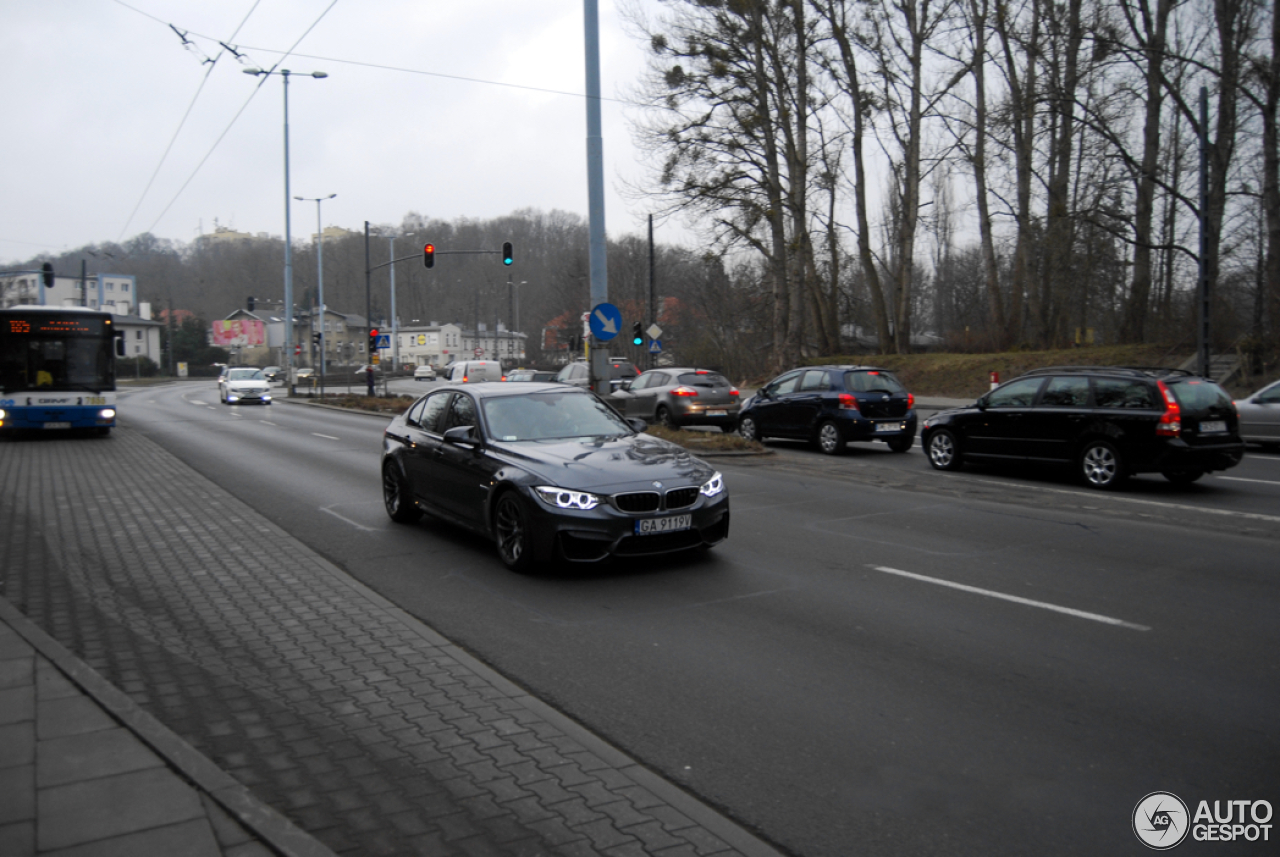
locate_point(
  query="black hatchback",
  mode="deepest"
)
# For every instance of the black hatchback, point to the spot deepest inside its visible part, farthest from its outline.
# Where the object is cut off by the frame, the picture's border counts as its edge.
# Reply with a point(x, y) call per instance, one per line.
point(832, 406)
point(1108, 422)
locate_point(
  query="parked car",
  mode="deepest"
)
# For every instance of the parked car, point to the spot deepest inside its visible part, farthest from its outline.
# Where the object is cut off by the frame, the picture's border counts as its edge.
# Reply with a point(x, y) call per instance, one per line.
point(425, 372)
point(239, 384)
point(680, 397)
point(1107, 422)
point(578, 373)
point(549, 472)
point(474, 371)
point(1260, 415)
point(531, 375)
point(272, 373)
point(832, 406)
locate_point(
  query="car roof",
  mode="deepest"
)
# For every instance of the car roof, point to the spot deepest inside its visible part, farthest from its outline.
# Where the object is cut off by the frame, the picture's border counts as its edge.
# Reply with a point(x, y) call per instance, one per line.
point(496, 389)
point(843, 367)
point(1127, 371)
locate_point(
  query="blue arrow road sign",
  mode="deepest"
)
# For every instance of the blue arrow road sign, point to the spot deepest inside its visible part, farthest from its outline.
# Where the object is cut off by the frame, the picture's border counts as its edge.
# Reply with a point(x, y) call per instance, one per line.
point(605, 321)
point(655, 346)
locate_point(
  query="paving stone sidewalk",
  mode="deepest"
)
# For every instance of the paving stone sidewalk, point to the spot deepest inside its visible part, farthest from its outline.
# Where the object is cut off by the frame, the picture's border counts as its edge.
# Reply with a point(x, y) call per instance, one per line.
point(348, 717)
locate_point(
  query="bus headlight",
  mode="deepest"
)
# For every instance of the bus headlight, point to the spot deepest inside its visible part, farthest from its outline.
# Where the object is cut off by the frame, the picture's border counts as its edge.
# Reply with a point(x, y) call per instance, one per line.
point(107, 414)
point(3, 415)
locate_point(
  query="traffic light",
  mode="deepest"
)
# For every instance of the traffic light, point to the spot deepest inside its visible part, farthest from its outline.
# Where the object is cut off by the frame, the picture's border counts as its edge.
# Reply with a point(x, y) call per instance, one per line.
point(47, 272)
point(316, 337)
point(637, 335)
point(373, 336)
point(248, 303)
point(508, 255)
point(429, 255)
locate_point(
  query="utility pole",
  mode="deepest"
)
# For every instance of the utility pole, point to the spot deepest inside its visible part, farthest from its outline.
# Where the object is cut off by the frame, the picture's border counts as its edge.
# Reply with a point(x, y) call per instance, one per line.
point(595, 189)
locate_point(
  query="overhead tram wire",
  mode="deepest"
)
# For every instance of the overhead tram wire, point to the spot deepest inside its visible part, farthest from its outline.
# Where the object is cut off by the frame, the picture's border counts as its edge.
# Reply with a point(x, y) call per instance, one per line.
point(185, 116)
point(283, 56)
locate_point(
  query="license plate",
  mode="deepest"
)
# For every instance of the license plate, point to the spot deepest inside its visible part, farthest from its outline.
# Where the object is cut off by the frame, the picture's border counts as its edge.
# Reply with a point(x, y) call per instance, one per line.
point(715, 413)
point(57, 425)
point(1213, 427)
point(888, 427)
point(647, 526)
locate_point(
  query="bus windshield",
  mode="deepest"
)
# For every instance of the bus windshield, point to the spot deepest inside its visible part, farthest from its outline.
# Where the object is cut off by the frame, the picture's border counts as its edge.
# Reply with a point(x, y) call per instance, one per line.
point(39, 356)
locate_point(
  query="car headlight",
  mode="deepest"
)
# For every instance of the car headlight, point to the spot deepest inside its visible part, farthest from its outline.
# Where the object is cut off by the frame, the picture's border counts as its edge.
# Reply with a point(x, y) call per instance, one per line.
point(712, 486)
point(562, 498)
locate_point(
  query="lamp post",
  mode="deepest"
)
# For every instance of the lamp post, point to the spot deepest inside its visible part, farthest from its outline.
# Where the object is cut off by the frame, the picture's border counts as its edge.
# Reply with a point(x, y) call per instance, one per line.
point(288, 236)
point(319, 275)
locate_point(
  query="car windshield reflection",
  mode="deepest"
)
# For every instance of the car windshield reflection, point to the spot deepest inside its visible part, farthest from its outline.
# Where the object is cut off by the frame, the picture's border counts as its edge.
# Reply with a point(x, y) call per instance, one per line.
point(552, 416)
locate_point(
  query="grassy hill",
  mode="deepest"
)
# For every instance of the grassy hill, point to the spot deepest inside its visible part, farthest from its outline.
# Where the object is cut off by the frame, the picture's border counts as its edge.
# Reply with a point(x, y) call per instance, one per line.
point(967, 375)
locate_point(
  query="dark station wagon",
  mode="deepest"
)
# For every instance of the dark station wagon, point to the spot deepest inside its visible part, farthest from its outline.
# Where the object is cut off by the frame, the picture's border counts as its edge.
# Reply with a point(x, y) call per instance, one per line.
point(1108, 422)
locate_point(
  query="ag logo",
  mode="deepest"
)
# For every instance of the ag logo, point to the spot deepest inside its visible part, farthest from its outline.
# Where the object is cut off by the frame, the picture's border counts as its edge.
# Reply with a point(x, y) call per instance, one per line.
point(1161, 821)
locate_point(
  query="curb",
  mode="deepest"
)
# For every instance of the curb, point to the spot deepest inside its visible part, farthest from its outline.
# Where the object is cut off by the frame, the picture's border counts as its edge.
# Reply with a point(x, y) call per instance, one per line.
point(271, 827)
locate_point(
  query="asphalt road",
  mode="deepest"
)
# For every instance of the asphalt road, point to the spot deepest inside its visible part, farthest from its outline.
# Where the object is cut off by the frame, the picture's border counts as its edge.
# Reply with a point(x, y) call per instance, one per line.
point(820, 677)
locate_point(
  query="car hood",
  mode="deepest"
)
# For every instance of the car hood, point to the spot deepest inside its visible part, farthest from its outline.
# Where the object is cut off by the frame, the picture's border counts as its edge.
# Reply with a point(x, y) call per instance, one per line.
point(246, 385)
point(607, 466)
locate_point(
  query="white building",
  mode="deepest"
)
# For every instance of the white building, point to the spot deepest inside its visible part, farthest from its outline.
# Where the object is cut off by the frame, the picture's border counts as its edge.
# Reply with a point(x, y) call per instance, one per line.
point(116, 293)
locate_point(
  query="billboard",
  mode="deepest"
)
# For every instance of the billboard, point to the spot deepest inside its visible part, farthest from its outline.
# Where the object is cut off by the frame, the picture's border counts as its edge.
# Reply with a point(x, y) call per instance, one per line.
point(238, 332)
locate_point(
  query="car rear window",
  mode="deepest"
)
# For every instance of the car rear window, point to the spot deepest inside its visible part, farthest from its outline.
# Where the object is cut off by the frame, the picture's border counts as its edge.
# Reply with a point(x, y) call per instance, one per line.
point(703, 379)
point(1123, 393)
point(872, 381)
point(1199, 394)
point(623, 370)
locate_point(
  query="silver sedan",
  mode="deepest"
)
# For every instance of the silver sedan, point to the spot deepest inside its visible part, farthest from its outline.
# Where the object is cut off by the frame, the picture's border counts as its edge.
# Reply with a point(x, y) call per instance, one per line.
point(1260, 415)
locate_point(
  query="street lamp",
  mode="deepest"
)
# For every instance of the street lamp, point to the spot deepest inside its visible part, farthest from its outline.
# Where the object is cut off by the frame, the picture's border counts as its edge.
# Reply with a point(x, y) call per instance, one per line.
point(288, 235)
point(319, 275)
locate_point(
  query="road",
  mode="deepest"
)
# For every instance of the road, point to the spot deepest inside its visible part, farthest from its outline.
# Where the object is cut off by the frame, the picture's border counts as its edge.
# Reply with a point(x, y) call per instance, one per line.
point(820, 677)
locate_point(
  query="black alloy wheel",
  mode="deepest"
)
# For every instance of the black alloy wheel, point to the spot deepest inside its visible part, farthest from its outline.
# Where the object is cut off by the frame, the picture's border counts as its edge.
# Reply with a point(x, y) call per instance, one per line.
point(944, 450)
point(511, 533)
point(829, 439)
point(1100, 465)
point(749, 430)
point(396, 496)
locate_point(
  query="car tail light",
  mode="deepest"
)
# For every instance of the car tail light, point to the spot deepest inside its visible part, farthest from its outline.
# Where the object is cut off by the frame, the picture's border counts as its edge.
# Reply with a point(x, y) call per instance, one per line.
point(1171, 420)
point(911, 401)
point(684, 391)
point(504, 377)
point(733, 391)
point(848, 402)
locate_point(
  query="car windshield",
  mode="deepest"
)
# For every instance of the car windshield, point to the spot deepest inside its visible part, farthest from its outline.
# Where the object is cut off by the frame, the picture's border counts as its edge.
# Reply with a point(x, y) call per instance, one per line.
point(551, 415)
point(244, 374)
point(873, 381)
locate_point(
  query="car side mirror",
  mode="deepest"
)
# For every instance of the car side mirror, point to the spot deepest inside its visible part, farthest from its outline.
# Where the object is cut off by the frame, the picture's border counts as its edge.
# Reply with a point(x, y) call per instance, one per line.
point(461, 435)
point(625, 385)
point(981, 403)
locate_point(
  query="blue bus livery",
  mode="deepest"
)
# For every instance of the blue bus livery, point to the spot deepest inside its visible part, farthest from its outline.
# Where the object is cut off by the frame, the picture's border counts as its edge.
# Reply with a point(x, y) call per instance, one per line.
point(57, 369)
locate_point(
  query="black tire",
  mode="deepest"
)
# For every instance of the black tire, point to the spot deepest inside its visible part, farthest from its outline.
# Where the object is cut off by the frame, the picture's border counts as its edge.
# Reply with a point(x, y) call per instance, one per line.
point(1182, 477)
point(901, 444)
point(396, 496)
point(512, 534)
point(664, 417)
point(943, 450)
point(828, 438)
point(748, 428)
point(1100, 465)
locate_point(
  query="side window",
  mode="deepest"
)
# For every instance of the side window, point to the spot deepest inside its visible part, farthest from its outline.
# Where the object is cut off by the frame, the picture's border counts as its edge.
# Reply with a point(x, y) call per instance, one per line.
point(643, 381)
point(414, 417)
point(1122, 393)
point(1070, 392)
point(433, 409)
point(786, 384)
point(1017, 394)
point(1269, 396)
point(814, 379)
point(463, 413)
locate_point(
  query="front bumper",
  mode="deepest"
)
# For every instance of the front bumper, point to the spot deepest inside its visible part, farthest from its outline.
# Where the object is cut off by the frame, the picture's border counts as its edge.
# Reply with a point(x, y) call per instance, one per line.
point(596, 534)
point(242, 396)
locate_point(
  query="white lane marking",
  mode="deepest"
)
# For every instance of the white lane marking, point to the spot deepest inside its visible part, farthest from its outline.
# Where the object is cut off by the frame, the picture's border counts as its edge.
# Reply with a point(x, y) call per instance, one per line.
point(1070, 611)
point(1253, 516)
point(326, 436)
point(1242, 479)
point(267, 423)
point(348, 520)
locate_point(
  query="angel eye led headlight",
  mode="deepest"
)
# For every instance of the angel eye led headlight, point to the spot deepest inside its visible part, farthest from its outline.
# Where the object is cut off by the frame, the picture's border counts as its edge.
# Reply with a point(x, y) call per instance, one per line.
point(712, 486)
point(562, 498)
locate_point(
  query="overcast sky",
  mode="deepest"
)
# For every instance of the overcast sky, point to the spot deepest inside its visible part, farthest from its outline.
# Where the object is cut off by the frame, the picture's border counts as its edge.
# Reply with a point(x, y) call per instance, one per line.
point(443, 107)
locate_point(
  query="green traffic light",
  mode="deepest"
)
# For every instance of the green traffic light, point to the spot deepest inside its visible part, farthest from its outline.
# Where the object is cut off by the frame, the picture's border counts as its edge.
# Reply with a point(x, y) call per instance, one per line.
point(508, 255)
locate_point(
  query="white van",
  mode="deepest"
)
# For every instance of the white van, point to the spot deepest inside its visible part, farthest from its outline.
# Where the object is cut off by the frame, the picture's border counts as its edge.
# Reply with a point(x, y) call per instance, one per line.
point(471, 371)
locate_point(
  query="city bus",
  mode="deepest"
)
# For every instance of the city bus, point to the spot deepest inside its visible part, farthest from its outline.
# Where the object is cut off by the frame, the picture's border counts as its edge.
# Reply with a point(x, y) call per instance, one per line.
point(58, 369)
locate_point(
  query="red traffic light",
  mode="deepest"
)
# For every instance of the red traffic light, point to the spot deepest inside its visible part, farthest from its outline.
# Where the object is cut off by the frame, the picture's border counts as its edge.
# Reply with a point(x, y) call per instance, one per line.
point(373, 331)
point(429, 255)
